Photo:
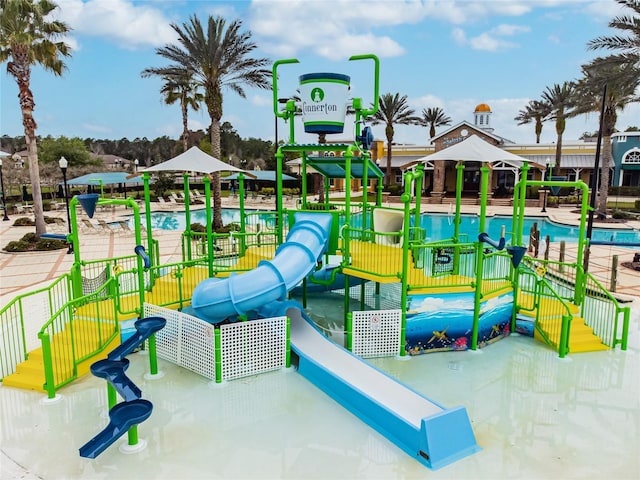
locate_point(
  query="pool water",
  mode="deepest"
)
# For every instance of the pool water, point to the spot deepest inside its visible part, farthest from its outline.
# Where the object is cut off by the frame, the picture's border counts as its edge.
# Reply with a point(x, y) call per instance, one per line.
point(436, 226)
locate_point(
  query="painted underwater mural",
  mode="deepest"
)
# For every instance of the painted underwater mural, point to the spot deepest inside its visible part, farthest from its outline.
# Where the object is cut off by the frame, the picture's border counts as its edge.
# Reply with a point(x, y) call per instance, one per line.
point(444, 322)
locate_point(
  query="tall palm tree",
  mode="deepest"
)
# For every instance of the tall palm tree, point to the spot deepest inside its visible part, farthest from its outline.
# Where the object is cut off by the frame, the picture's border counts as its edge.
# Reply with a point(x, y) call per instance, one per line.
point(392, 109)
point(218, 56)
point(560, 99)
point(620, 92)
point(535, 111)
point(626, 44)
point(27, 38)
point(432, 118)
point(181, 88)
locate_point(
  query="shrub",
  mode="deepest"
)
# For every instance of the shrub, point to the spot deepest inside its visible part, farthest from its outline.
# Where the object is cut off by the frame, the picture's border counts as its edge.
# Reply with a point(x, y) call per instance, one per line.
point(394, 189)
point(17, 246)
point(46, 244)
point(30, 222)
point(29, 243)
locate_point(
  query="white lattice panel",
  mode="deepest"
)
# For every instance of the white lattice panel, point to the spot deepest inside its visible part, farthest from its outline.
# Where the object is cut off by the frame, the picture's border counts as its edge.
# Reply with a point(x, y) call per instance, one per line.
point(376, 333)
point(253, 347)
point(185, 340)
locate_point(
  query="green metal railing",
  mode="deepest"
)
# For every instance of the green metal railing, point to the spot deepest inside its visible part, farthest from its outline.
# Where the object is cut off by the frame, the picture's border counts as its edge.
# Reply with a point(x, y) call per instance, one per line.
point(75, 333)
point(602, 312)
point(552, 314)
point(598, 307)
point(16, 338)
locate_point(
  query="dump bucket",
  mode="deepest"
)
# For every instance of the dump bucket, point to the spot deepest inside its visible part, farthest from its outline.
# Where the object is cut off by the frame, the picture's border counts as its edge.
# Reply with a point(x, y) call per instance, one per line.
point(324, 101)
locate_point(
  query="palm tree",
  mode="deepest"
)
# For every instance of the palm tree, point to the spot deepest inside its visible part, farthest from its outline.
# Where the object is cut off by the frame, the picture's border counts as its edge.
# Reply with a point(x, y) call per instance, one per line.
point(216, 57)
point(432, 118)
point(27, 38)
point(392, 109)
point(620, 92)
point(560, 99)
point(627, 43)
point(180, 88)
point(537, 111)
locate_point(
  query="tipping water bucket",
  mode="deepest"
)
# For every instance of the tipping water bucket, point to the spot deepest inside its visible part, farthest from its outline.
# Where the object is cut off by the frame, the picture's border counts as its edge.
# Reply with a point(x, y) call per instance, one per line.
point(88, 201)
point(324, 101)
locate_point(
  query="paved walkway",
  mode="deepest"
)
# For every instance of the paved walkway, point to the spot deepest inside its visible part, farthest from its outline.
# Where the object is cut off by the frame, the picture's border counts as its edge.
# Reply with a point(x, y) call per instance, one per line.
point(27, 271)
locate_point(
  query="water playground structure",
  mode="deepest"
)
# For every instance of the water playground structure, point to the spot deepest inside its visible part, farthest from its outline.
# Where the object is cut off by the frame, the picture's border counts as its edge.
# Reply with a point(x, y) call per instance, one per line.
point(236, 303)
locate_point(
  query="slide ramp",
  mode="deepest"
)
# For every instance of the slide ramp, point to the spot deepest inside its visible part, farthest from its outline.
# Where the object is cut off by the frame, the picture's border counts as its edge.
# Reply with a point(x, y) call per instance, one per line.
point(427, 431)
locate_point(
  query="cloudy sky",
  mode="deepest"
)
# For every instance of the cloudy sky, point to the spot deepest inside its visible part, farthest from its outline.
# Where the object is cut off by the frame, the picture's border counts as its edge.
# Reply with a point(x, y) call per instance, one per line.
point(449, 54)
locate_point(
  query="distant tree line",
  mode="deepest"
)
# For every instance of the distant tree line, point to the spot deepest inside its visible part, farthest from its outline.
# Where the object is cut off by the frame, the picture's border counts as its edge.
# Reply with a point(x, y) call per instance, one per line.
point(248, 153)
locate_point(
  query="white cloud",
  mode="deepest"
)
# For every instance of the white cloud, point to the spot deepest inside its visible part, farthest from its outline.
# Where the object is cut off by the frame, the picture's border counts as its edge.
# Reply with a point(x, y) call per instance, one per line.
point(491, 40)
point(261, 100)
point(128, 25)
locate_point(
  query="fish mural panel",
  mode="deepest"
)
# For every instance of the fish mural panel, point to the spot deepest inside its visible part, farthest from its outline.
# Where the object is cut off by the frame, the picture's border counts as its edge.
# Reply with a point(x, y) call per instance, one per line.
point(444, 322)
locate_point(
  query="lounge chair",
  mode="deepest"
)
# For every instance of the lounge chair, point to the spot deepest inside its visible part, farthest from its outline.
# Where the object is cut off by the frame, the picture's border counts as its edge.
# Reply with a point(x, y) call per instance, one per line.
point(107, 228)
point(124, 226)
point(89, 227)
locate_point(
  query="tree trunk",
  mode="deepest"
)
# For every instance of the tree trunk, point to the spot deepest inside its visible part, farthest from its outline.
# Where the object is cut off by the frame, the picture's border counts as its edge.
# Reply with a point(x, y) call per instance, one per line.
point(605, 170)
point(215, 178)
point(185, 122)
point(21, 72)
point(556, 169)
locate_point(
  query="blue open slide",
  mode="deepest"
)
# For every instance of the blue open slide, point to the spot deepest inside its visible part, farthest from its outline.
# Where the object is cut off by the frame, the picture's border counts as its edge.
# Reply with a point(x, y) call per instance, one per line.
point(133, 410)
point(430, 433)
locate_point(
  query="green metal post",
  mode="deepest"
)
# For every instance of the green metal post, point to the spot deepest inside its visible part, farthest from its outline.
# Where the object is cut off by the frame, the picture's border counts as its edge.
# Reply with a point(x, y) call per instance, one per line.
point(76, 277)
point(49, 382)
point(132, 435)
point(418, 195)
point(522, 204)
point(459, 183)
point(218, 349)
point(147, 215)
point(406, 199)
point(484, 171)
point(280, 218)
point(348, 326)
point(287, 360)
point(153, 355)
point(207, 205)
point(187, 212)
point(112, 396)
point(243, 219)
point(303, 173)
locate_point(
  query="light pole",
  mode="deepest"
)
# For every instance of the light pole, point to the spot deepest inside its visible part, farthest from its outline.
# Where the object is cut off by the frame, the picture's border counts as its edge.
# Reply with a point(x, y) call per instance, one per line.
point(4, 199)
point(63, 164)
point(546, 189)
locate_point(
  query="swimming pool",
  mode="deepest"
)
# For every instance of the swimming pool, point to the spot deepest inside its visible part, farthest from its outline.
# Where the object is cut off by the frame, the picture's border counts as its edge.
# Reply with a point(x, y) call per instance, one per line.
point(436, 226)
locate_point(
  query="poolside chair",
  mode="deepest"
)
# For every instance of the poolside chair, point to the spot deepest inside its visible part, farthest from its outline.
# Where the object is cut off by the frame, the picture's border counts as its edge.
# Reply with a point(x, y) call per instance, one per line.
point(124, 226)
point(89, 227)
point(107, 228)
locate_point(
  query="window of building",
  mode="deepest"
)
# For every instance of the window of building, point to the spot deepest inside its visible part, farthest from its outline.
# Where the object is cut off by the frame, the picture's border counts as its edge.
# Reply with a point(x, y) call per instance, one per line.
point(632, 157)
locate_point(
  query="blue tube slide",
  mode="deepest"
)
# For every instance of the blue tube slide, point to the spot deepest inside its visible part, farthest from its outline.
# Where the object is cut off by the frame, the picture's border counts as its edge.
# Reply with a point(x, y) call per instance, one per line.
point(214, 300)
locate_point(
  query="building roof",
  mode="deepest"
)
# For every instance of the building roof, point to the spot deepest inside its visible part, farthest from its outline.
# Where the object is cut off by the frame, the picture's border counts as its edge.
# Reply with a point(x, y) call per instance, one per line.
point(483, 107)
point(566, 161)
